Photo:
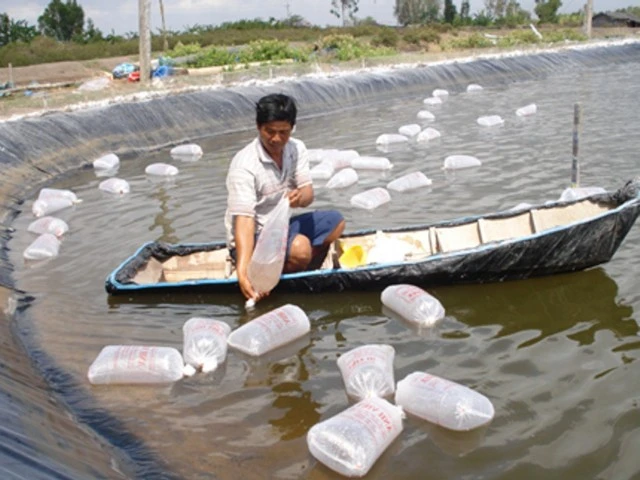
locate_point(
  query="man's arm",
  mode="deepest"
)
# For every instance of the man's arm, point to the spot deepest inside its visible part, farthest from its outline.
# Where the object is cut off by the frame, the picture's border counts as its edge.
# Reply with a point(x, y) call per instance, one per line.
point(244, 237)
point(301, 197)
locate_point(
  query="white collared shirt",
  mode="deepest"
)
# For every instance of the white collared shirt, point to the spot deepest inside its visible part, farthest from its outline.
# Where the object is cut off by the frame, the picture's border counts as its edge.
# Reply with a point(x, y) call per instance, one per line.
point(255, 184)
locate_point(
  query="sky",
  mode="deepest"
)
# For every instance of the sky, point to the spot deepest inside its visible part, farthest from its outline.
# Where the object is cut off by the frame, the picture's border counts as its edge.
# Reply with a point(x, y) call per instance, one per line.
point(121, 16)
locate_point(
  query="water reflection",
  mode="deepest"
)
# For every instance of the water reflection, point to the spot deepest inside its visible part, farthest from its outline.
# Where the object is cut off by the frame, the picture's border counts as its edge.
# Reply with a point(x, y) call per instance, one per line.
point(547, 305)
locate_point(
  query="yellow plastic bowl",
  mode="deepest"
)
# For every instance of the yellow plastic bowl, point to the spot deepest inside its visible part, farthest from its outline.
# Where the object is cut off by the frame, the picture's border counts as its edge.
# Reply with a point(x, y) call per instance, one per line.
point(352, 257)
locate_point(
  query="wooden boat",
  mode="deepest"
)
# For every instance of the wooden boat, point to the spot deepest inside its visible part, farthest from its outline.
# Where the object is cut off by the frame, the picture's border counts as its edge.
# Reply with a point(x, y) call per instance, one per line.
point(550, 238)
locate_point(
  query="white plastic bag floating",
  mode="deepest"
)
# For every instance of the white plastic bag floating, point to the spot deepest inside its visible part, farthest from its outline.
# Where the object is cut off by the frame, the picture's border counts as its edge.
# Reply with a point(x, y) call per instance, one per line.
point(322, 170)
point(371, 199)
point(267, 259)
point(48, 224)
point(413, 304)
point(425, 115)
point(428, 134)
point(474, 87)
point(187, 152)
point(490, 121)
point(410, 130)
point(387, 249)
point(440, 92)
point(527, 110)
point(576, 193)
point(432, 101)
point(368, 371)
point(409, 181)
point(46, 206)
point(161, 169)
point(342, 158)
point(443, 402)
point(136, 364)
point(351, 441)
point(455, 162)
point(371, 163)
point(319, 154)
point(389, 138)
point(271, 330)
point(107, 162)
point(344, 178)
point(46, 245)
point(115, 185)
point(205, 343)
point(54, 193)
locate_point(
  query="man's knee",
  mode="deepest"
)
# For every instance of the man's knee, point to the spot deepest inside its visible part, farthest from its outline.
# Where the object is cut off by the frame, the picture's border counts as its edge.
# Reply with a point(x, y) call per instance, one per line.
point(299, 254)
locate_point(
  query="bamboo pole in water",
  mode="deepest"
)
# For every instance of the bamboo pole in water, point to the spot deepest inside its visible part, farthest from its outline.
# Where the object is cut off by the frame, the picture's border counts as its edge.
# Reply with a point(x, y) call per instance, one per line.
point(575, 166)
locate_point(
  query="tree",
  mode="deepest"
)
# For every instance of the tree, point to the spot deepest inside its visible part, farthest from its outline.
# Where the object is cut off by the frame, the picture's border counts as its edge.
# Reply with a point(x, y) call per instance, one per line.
point(15, 31)
point(464, 11)
point(345, 9)
point(449, 11)
point(515, 14)
point(62, 21)
point(495, 8)
point(547, 12)
point(91, 33)
point(416, 11)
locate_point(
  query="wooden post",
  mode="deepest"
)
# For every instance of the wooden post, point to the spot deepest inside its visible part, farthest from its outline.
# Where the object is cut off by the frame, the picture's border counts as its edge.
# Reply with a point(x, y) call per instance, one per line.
point(11, 84)
point(144, 12)
point(588, 14)
point(575, 166)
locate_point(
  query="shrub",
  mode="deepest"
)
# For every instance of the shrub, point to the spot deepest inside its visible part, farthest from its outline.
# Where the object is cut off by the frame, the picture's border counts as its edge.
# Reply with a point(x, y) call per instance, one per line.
point(386, 38)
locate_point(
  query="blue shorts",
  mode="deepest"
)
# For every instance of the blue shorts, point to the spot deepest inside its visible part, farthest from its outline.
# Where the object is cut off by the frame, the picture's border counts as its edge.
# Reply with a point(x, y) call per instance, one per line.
point(316, 226)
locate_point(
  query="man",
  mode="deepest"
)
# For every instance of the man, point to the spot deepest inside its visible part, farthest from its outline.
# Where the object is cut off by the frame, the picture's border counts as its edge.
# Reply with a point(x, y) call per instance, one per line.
point(273, 165)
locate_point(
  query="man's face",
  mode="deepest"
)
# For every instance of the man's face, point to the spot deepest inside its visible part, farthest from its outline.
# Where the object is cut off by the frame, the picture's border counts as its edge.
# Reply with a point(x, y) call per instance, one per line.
point(274, 136)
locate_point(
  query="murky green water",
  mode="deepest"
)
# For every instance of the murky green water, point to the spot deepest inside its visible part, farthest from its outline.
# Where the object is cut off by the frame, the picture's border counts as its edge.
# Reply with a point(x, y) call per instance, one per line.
point(556, 356)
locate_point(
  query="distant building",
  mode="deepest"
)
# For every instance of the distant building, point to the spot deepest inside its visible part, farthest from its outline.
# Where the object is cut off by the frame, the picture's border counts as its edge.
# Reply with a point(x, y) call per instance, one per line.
point(615, 19)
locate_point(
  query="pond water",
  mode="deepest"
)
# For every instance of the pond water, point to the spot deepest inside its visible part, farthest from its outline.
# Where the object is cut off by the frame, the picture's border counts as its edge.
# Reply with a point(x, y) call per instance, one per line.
point(557, 356)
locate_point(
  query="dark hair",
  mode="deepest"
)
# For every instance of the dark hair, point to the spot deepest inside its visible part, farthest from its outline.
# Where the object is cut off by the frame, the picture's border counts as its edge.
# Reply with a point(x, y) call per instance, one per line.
point(276, 107)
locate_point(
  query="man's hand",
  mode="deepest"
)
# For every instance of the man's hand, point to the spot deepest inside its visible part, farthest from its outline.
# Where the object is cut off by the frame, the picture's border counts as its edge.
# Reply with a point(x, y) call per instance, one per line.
point(301, 197)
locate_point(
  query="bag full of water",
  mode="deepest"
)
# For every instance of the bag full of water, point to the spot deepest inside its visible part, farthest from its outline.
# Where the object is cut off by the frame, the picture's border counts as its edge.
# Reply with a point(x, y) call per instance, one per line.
point(432, 101)
point(371, 163)
point(267, 260)
point(136, 364)
point(410, 181)
point(45, 246)
point(57, 193)
point(368, 371)
point(457, 162)
point(410, 130)
point(342, 158)
point(48, 224)
point(413, 304)
point(344, 178)
point(474, 87)
point(46, 206)
point(205, 343)
point(425, 115)
point(110, 161)
point(161, 169)
point(443, 402)
point(427, 135)
point(270, 331)
point(187, 152)
point(322, 170)
point(351, 442)
point(391, 138)
point(527, 110)
point(490, 121)
point(316, 155)
point(114, 185)
point(440, 92)
point(371, 199)
point(577, 193)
